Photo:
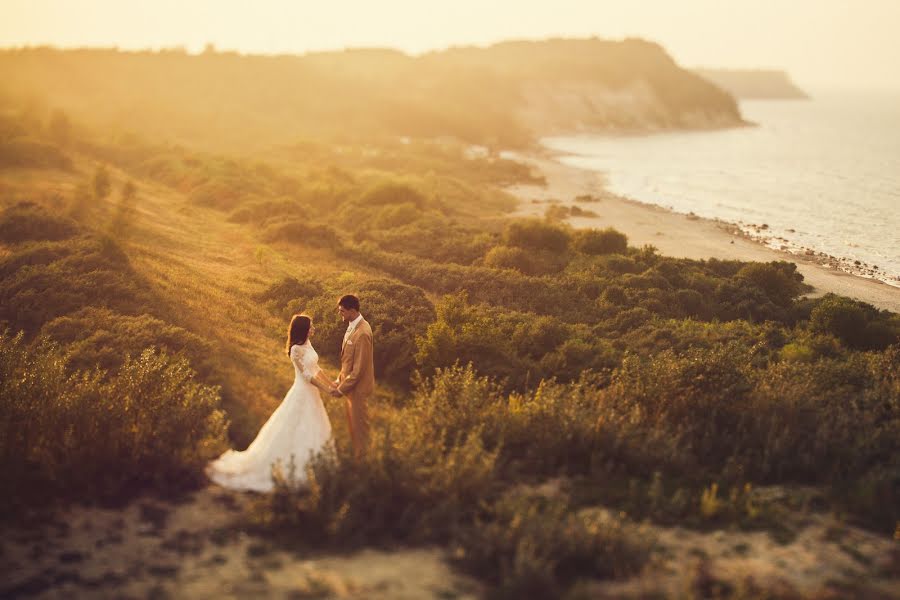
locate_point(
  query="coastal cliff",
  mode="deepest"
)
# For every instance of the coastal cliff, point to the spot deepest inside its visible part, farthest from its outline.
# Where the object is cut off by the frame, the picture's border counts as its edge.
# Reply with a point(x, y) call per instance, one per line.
point(566, 85)
point(505, 95)
point(754, 84)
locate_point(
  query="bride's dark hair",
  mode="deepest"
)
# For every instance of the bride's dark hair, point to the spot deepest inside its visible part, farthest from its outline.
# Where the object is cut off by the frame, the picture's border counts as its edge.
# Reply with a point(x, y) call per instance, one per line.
point(298, 331)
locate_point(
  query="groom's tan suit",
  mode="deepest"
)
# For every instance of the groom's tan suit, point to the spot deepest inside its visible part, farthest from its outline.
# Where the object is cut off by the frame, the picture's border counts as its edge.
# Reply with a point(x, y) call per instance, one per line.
point(357, 382)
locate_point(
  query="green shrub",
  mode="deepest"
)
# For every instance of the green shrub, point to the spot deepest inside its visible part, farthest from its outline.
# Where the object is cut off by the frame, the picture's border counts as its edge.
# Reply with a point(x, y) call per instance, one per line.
point(101, 338)
point(779, 280)
point(857, 324)
point(516, 348)
point(692, 303)
point(25, 152)
point(27, 221)
point(807, 346)
point(556, 212)
point(601, 241)
point(78, 435)
point(502, 288)
point(534, 547)
point(614, 294)
point(290, 295)
point(392, 193)
point(262, 211)
point(395, 215)
point(510, 257)
point(700, 397)
point(616, 264)
point(435, 238)
point(536, 234)
point(221, 194)
point(304, 233)
point(44, 281)
point(464, 332)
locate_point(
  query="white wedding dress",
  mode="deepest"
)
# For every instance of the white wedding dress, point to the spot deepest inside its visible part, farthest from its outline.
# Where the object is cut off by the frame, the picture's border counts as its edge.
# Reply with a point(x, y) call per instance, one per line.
point(298, 429)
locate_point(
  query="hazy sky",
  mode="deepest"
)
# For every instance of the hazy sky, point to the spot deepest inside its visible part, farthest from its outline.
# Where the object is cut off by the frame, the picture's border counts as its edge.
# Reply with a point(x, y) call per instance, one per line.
point(819, 42)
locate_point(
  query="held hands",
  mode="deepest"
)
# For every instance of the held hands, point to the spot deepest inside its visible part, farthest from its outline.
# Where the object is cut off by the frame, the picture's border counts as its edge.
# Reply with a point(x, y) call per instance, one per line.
point(325, 384)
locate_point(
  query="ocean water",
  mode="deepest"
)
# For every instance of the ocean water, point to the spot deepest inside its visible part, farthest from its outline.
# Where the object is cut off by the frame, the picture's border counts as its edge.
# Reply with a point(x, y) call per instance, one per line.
point(823, 175)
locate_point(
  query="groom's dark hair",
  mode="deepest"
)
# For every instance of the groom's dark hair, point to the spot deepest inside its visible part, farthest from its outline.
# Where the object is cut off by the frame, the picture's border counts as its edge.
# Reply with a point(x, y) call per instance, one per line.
point(350, 302)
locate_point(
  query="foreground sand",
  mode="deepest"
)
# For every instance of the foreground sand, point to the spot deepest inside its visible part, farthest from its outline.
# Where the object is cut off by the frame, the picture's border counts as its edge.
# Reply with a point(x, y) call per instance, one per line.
point(198, 547)
point(680, 235)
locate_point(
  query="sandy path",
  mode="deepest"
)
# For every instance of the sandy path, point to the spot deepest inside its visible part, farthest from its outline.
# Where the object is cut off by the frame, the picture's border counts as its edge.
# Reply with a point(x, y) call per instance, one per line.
point(680, 235)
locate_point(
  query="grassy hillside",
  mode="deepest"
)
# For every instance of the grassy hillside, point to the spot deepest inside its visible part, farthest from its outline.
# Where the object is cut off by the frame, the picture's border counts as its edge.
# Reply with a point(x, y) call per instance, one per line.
point(146, 288)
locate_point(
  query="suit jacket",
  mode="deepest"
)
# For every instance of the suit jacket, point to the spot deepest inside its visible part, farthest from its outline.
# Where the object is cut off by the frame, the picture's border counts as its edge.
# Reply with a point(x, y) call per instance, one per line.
point(357, 376)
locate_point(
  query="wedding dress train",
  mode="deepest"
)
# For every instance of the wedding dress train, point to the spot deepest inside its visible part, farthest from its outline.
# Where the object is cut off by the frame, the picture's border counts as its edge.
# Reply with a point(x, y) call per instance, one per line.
point(298, 429)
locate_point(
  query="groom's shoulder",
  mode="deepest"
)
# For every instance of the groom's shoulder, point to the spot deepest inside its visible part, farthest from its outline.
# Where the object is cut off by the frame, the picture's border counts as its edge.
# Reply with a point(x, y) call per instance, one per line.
point(366, 328)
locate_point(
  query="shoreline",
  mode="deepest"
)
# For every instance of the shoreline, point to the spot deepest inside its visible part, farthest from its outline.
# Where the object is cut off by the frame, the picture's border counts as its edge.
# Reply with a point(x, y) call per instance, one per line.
point(683, 235)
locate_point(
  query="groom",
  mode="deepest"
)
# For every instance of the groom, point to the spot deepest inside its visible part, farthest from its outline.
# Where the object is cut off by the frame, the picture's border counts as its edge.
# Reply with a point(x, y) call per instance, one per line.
point(356, 381)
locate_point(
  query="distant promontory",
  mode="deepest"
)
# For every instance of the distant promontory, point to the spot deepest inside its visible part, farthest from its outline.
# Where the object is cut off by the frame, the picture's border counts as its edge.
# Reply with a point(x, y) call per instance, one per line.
point(754, 83)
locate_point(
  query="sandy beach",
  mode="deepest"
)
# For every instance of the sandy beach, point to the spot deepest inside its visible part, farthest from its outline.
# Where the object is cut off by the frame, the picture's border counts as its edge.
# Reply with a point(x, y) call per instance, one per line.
point(679, 235)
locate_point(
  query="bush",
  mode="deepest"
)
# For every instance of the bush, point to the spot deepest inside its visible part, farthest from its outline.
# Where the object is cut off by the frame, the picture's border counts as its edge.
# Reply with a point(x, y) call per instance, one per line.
point(467, 333)
point(101, 338)
point(507, 257)
point(44, 281)
point(304, 233)
point(699, 399)
point(290, 295)
point(536, 234)
point(601, 241)
point(692, 303)
point(614, 294)
point(534, 547)
point(858, 325)
point(25, 152)
point(778, 280)
point(81, 436)
point(395, 215)
point(514, 347)
point(615, 264)
point(503, 288)
point(221, 194)
point(433, 237)
point(27, 221)
point(392, 193)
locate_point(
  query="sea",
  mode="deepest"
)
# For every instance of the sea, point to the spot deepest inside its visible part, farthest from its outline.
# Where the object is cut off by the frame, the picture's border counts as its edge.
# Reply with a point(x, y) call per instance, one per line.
point(818, 176)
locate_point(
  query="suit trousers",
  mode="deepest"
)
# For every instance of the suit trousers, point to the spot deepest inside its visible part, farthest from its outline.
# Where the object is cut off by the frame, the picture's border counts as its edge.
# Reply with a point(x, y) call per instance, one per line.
point(358, 421)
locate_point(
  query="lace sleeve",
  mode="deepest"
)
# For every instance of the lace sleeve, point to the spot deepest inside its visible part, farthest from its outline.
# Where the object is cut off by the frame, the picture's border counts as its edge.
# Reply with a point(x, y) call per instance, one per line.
point(307, 362)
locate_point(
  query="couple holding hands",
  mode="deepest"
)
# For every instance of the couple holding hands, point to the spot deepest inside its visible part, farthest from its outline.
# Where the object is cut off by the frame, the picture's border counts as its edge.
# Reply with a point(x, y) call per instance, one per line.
point(299, 428)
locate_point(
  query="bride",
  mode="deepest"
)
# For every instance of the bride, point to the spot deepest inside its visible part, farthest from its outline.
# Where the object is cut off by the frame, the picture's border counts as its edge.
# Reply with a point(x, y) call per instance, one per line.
point(298, 429)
